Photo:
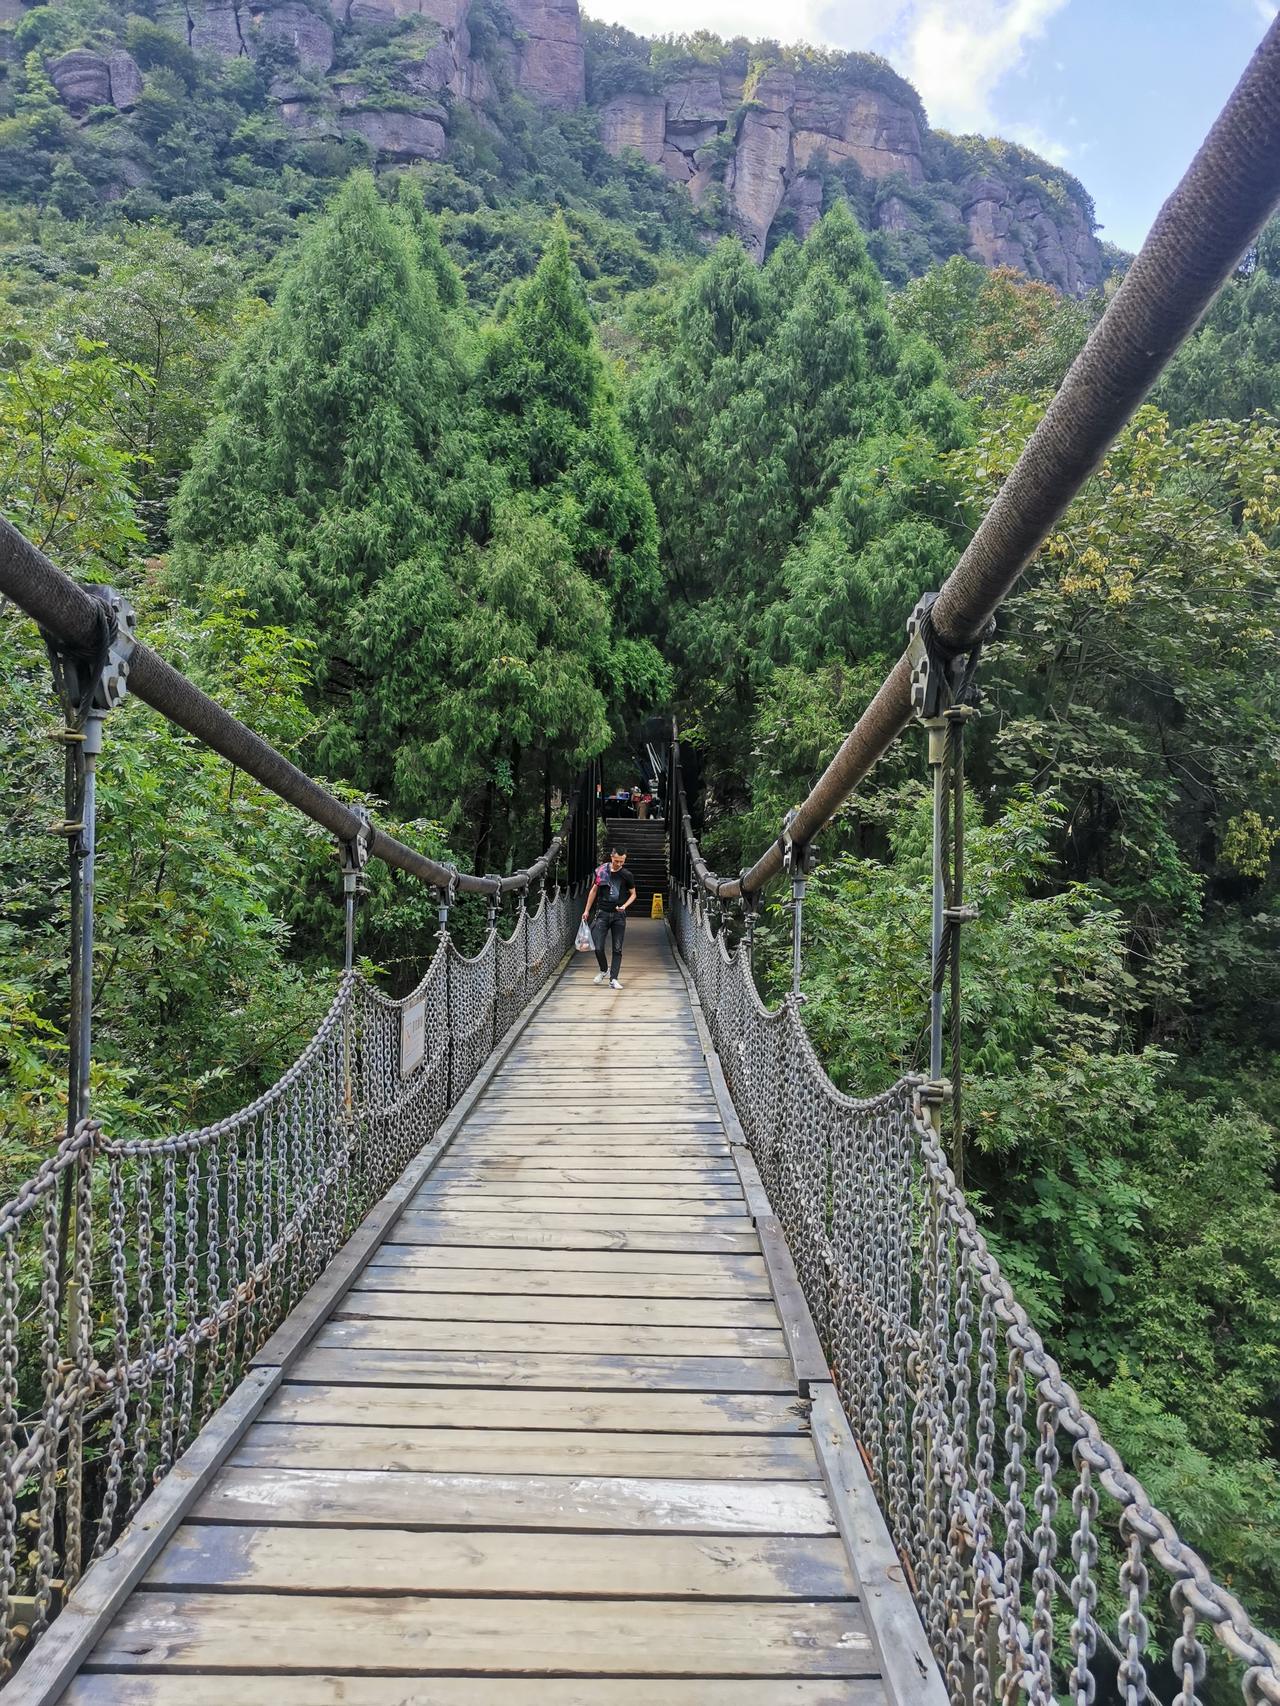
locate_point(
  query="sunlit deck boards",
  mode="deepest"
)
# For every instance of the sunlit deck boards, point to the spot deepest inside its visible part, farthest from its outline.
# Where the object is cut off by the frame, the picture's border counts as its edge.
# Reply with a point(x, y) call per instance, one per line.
point(548, 1448)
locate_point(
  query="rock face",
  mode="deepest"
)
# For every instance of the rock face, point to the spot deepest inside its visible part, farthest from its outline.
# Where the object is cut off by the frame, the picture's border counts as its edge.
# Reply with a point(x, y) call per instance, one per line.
point(770, 144)
point(1030, 232)
point(126, 80)
point(550, 63)
point(82, 79)
point(764, 152)
point(758, 175)
point(396, 135)
point(790, 128)
point(294, 24)
point(635, 121)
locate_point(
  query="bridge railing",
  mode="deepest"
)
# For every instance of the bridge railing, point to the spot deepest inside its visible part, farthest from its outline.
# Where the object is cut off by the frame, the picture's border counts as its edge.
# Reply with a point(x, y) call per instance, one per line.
point(1041, 1569)
point(138, 1279)
point(187, 1252)
point(1028, 1544)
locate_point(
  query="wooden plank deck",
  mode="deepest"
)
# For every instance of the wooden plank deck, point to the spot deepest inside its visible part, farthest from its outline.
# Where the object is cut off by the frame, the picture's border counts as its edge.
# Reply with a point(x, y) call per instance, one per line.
point(548, 1448)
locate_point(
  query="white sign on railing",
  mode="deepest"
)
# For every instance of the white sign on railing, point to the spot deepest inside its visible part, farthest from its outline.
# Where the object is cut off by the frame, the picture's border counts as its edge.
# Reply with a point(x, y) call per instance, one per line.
point(413, 1035)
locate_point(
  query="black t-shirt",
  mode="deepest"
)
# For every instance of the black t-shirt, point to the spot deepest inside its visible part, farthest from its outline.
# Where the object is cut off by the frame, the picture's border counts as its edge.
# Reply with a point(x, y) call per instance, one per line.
point(613, 887)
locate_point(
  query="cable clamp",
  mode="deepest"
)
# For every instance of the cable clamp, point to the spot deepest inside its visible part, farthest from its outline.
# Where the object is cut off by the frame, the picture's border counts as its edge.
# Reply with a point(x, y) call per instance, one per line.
point(960, 914)
point(935, 674)
point(95, 680)
point(354, 853)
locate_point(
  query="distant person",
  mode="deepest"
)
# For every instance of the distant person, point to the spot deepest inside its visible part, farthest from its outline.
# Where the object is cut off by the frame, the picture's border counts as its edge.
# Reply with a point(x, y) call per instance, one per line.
point(612, 892)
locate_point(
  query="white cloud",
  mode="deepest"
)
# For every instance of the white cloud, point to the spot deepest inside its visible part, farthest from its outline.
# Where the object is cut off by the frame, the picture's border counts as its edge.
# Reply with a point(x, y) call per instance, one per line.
point(956, 52)
point(1267, 11)
point(1032, 137)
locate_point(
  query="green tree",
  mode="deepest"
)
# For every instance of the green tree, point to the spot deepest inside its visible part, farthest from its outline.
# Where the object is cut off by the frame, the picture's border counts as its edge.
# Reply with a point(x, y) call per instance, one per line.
point(549, 420)
point(173, 312)
point(485, 671)
point(1137, 671)
point(336, 456)
point(784, 428)
point(998, 332)
point(1231, 367)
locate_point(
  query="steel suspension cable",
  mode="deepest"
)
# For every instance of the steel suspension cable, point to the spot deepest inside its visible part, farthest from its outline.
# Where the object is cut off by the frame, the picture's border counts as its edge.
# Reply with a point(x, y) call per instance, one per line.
point(74, 618)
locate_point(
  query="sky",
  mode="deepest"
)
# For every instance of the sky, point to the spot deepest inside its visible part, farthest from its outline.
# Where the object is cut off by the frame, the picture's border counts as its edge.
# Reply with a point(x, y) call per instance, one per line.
point(1120, 92)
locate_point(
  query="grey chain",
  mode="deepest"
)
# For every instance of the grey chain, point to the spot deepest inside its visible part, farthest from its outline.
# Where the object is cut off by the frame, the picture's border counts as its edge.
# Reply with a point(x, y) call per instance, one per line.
point(205, 1241)
point(894, 1269)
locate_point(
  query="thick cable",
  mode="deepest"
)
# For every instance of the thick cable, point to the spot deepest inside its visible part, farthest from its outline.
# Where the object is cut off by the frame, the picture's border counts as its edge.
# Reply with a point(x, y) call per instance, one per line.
point(65, 610)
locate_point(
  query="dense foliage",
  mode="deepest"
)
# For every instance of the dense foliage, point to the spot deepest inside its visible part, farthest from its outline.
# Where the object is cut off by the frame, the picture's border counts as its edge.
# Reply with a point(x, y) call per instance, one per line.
point(790, 437)
point(1120, 990)
point(354, 449)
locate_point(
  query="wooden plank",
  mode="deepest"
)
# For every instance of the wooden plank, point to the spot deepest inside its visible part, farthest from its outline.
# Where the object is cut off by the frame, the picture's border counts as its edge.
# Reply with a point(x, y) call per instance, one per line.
point(911, 1676)
point(313, 1690)
point(349, 1330)
point(677, 1146)
point(426, 1213)
point(628, 1048)
point(107, 1585)
point(528, 1451)
point(646, 1107)
point(337, 1560)
point(358, 1498)
point(466, 1409)
point(495, 1232)
point(638, 1078)
point(517, 1174)
point(499, 1294)
point(700, 1265)
point(495, 1200)
point(531, 1113)
point(803, 1344)
point(401, 1636)
point(591, 1373)
point(370, 1296)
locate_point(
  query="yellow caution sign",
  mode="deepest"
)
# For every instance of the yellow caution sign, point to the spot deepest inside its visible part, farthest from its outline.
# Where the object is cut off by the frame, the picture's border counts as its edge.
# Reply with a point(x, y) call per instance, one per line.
point(655, 911)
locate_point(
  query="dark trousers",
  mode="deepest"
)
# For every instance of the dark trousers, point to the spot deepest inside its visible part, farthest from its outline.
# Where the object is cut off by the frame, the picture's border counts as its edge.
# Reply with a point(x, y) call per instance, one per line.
point(608, 924)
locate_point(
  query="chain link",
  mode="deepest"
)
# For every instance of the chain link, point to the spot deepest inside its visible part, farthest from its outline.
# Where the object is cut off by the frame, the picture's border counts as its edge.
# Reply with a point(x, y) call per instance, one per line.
point(209, 1238)
point(895, 1272)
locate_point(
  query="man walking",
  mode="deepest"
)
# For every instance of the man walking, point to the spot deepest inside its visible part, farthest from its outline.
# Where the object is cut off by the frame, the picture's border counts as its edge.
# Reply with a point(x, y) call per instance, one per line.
point(611, 894)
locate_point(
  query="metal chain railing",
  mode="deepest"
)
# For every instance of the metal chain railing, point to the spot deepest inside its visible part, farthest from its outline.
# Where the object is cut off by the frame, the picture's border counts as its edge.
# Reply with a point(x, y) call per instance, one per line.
point(1036, 1559)
point(186, 1253)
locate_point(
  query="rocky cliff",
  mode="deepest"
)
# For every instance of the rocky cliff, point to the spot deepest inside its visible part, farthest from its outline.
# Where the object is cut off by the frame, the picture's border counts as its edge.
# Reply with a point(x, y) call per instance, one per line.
point(760, 146)
point(772, 147)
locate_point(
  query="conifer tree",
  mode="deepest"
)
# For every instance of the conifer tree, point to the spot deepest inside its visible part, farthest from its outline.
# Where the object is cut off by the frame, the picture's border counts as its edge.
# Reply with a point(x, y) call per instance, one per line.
point(512, 668)
point(787, 432)
point(551, 424)
point(336, 456)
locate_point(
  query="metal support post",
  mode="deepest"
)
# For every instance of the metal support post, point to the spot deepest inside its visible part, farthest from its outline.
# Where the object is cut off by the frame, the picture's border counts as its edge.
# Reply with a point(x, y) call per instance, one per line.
point(355, 856)
point(82, 1045)
point(799, 862)
point(936, 728)
point(447, 895)
point(798, 887)
point(88, 687)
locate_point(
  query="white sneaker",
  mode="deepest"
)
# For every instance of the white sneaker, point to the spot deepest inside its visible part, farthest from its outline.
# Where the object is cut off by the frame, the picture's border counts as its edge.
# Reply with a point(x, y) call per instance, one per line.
point(614, 984)
point(601, 977)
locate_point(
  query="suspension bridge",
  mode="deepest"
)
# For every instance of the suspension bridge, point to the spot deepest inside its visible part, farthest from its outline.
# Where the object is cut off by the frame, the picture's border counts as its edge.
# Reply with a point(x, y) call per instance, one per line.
point(432, 1376)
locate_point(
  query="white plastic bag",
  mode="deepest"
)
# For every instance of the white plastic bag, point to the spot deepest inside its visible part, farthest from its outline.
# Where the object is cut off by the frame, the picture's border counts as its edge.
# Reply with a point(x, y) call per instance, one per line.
point(582, 941)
